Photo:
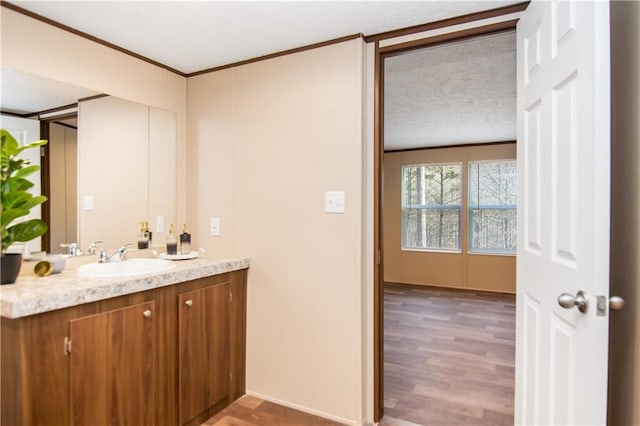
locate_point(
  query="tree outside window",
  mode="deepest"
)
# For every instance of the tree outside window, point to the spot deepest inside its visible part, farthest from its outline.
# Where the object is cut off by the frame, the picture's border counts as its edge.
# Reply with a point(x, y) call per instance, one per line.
point(493, 189)
point(432, 195)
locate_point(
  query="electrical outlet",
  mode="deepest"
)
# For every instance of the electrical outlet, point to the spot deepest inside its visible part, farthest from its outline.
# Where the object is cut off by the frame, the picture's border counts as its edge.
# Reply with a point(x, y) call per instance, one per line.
point(334, 202)
point(215, 226)
point(159, 223)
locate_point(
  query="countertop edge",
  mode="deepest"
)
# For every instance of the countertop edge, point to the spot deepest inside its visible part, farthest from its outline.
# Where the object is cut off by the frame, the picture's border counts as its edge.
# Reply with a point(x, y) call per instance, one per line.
point(93, 290)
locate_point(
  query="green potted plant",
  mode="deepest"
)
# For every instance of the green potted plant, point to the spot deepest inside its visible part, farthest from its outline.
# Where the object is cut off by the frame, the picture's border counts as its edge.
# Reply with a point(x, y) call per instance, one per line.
point(17, 201)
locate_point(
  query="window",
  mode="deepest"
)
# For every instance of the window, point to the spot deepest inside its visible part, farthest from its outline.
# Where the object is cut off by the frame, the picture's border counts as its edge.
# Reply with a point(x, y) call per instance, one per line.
point(431, 197)
point(493, 189)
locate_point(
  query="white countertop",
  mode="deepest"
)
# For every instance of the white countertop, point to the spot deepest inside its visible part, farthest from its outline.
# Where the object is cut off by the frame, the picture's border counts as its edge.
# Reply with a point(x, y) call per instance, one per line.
point(33, 295)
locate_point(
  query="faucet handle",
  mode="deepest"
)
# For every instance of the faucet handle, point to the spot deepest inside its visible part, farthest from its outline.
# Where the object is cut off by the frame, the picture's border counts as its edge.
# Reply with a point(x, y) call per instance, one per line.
point(74, 250)
point(93, 247)
point(122, 251)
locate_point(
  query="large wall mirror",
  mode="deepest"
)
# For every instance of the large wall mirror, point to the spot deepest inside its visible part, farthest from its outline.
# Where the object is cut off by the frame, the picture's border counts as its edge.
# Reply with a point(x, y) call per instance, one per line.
point(110, 163)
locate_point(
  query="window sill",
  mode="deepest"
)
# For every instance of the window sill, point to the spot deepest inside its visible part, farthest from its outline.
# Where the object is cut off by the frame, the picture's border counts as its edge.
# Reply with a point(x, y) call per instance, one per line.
point(441, 251)
point(480, 253)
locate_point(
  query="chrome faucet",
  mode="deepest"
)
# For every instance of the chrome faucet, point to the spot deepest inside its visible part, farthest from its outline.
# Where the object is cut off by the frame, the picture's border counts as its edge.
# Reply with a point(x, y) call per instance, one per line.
point(122, 252)
point(74, 250)
point(93, 247)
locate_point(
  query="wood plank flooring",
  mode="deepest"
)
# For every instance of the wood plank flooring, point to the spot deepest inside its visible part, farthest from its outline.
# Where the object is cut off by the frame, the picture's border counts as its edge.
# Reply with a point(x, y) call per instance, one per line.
point(250, 411)
point(449, 360)
point(449, 356)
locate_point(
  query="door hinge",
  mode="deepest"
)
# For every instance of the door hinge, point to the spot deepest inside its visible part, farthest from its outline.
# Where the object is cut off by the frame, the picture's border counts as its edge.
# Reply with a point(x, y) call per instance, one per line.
point(230, 376)
point(43, 152)
point(67, 346)
point(230, 296)
point(378, 257)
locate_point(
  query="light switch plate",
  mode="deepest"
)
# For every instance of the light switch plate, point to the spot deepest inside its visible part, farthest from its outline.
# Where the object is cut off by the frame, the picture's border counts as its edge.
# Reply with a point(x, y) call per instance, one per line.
point(87, 202)
point(215, 226)
point(159, 223)
point(334, 202)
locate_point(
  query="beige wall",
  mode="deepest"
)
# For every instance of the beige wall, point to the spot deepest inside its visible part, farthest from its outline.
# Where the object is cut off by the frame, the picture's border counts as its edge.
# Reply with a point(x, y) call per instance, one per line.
point(37, 48)
point(63, 175)
point(162, 174)
point(624, 363)
point(459, 270)
point(126, 163)
point(114, 170)
point(266, 140)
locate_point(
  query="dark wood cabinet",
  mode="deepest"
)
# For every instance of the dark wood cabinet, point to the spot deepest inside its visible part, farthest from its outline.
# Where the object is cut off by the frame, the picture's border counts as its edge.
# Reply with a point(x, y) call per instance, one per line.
point(146, 358)
point(204, 349)
point(111, 367)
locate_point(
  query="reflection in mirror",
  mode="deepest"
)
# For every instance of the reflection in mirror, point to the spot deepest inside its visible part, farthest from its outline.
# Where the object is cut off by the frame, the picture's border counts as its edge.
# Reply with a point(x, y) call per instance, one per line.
point(110, 163)
point(127, 163)
point(26, 131)
point(31, 96)
point(62, 186)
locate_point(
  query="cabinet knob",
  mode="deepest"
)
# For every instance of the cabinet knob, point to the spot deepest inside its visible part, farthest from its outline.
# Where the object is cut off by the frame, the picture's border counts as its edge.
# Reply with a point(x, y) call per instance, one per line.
point(189, 302)
point(147, 313)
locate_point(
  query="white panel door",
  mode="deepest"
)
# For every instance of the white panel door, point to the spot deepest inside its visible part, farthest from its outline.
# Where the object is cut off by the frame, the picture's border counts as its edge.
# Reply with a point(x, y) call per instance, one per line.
point(26, 131)
point(563, 230)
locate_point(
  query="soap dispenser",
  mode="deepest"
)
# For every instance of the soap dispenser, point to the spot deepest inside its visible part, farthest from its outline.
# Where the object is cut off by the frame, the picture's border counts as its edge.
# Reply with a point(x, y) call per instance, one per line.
point(172, 242)
point(143, 237)
point(185, 241)
point(146, 229)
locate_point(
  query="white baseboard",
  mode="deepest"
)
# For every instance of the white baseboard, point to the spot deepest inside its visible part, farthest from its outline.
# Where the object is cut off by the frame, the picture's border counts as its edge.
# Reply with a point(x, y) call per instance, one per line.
point(303, 409)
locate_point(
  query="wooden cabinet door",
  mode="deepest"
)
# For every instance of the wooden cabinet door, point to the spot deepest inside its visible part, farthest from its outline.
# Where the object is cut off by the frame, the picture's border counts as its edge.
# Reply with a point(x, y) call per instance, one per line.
point(204, 349)
point(112, 364)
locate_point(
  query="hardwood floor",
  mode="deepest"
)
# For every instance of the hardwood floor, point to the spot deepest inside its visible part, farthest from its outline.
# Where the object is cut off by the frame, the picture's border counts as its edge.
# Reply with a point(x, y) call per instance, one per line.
point(449, 356)
point(250, 411)
point(449, 360)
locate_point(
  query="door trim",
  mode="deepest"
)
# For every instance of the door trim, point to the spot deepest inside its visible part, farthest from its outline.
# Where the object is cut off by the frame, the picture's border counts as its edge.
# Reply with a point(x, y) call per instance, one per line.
point(378, 137)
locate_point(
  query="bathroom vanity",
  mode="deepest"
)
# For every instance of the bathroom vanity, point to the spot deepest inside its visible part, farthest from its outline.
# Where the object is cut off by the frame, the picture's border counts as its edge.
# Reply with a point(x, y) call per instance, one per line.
point(158, 349)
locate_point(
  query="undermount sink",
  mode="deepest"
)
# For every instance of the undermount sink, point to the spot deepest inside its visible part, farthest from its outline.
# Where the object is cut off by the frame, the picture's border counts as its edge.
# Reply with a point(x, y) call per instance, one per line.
point(124, 268)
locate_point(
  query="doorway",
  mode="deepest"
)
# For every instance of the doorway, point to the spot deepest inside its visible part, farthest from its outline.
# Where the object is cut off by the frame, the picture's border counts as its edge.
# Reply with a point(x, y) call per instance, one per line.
point(462, 250)
point(60, 180)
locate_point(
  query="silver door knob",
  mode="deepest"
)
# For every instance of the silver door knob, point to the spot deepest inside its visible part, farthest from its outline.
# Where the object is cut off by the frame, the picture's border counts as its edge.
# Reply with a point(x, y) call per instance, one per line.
point(189, 302)
point(616, 303)
point(147, 313)
point(568, 301)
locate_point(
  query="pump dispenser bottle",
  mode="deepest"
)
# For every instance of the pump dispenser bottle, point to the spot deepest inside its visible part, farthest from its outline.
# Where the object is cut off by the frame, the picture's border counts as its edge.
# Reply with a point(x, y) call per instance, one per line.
point(185, 241)
point(146, 228)
point(172, 242)
point(143, 236)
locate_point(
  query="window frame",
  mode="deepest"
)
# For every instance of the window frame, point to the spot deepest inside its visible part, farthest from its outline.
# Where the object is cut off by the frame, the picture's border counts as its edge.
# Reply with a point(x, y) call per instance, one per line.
point(431, 207)
point(470, 207)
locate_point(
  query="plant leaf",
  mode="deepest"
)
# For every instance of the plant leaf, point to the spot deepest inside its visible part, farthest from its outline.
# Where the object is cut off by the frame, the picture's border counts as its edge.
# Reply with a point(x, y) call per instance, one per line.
point(9, 215)
point(26, 171)
point(15, 199)
point(28, 202)
point(33, 201)
point(12, 184)
point(31, 145)
point(9, 143)
point(27, 231)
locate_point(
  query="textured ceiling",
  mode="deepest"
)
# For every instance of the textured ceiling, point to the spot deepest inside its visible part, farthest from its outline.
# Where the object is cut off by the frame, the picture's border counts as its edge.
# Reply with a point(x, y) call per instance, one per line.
point(195, 35)
point(455, 93)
